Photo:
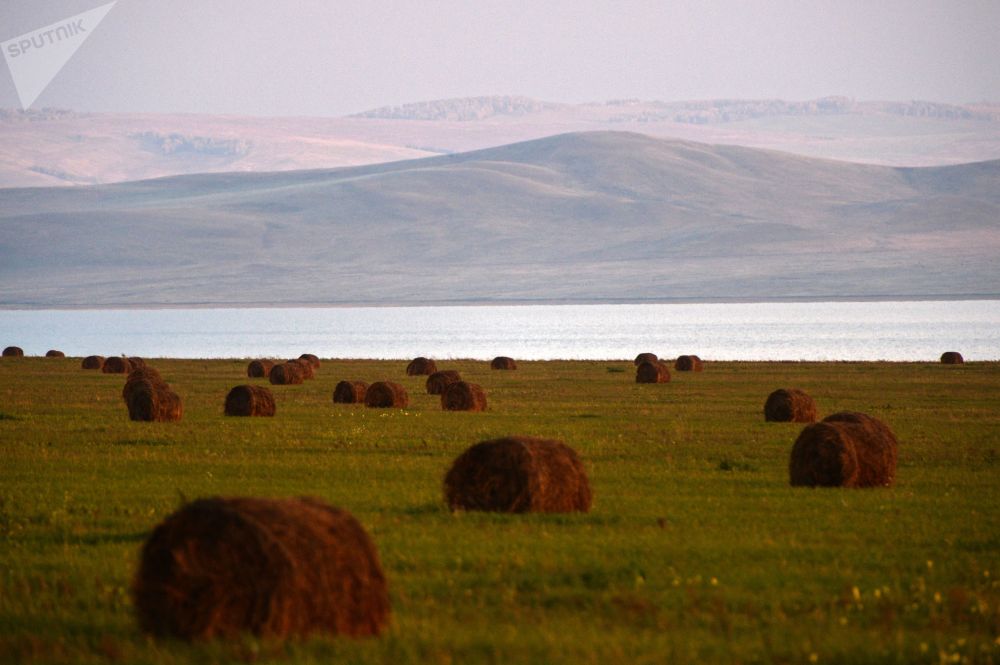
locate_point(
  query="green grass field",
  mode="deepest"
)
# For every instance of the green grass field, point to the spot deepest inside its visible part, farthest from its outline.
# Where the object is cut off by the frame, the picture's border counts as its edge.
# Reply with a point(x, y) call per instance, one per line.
point(696, 549)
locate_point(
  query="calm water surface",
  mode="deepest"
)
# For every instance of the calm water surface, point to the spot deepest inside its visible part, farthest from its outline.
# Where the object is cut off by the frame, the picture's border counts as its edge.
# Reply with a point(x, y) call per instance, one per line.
point(744, 331)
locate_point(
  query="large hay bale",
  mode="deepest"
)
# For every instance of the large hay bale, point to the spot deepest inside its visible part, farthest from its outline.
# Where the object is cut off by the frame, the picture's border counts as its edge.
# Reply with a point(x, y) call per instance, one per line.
point(92, 362)
point(652, 372)
point(276, 568)
point(311, 359)
point(149, 401)
point(13, 352)
point(249, 401)
point(259, 369)
point(286, 374)
point(135, 362)
point(845, 449)
point(386, 394)
point(503, 362)
point(518, 475)
point(463, 396)
point(307, 370)
point(138, 375)
point(688, 364)
point(116, 365)
point(53, 353)
point(789, 405)
point(420, 366)
point(645, 358)
point(438, 381)
point(350, 392)
point(952, 358)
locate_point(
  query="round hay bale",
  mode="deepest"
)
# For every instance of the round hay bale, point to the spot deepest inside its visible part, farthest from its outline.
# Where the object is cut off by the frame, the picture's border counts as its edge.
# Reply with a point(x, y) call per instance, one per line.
point(311, 359)
point(438, 381)
point(688, 364)
point(789, 406)
point(13, 352)
point(518, 475)
point(259, 369)
point(844, 450)
point(53, 353)
point(286, 374)
point(952, 358)
point(149, 401)
point(93, 362)
point(136, 362)
point(138, 375)
point(386, 394)
point(350, 392)
point(503, 362)
point(249, 401)
point(116, 365)
point(307, 370)
point(652, 372)
point(276, 568)
point(463, 396)
point(420, 366)
point(645, 358)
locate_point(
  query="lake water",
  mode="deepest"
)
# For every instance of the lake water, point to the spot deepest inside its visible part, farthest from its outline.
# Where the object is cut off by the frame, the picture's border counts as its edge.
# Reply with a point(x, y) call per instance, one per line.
point(918, 331)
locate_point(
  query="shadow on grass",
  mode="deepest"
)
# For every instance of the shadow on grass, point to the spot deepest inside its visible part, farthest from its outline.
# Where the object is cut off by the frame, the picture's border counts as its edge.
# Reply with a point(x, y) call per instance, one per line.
point(144, 442)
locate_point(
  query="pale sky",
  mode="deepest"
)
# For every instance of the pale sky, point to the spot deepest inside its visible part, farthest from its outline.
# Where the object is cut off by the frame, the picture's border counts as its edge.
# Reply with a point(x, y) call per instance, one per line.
point(334, 57)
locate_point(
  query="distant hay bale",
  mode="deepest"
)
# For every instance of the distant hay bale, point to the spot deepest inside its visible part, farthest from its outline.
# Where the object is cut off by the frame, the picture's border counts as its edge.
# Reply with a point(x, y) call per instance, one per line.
point(150, 401)
point(249, 401)
point(93, 362)
point(645, 358)
point(116, 365)
point(952, 358)
point(438, 381)
point(136, 376)
point(503, 362)
point(53, 353)
point(518, 475)
point(463, 396)
point(135, 362)
point(13, 352)
point(274, 568)
point(652, 372)
point(420, 366)
point(259, 369)
point(385, 395)
point(286, 374)
point(307, 369)
point(789, 405)
point(350, 392)
point(845, 449)
point(688, 364)
point(311, 359)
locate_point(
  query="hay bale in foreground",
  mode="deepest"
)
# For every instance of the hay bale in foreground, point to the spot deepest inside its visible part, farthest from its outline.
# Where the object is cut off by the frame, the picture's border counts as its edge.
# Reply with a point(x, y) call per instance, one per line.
point(518, 475)
point(688, 364)
point(463, 396)
point(845, 449)
point(92, 362)
point(952, 358)
point(249, 401)
point(645, 358)
point(116, 365)
point(438, 381)
point(286, 374)
point(53, 353)
point(385, 395)
point(259, 369)
point(136, 376)
point(350, 392)
point(311, 359)
point(135, 362)
point(149, 401)
point(789, 406)
point(275, 568)
point(420, 366)
point(13, 352)
point(503, 362)
point(652, 372)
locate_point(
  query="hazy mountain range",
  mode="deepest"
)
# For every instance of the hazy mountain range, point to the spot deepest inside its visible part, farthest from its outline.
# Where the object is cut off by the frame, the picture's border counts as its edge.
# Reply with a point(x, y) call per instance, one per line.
point(580, 216)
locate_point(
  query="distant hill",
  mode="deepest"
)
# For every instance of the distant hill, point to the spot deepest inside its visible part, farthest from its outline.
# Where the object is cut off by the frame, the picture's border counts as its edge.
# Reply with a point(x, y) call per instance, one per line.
point(577, 217)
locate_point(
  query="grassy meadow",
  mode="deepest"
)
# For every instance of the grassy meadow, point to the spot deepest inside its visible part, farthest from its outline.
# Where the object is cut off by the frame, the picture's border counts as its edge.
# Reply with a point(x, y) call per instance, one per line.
point(696, 549)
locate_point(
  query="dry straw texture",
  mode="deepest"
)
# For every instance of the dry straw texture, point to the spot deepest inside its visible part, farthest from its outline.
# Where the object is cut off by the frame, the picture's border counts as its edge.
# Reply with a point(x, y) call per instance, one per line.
point(645, 358)
point(53, 353)
point(259, 369)
point(249, 401)
point(463, 396)
point(845, 449)
point(138, 375)
point(652, 372)
point(688, 364)
point(277, 568)
point(438, 381)
point(311, 359)
point(135, 362)
point(952, 358)
point(420, 366)
point(503, 362)
point(93, 362)
point(308, 373)
point(286, 374)
point(149, 398)
point(13, 352)
point(518, 475)
point(116, 365)
point(791, 405)
point(386, 394)
point(350, 392)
